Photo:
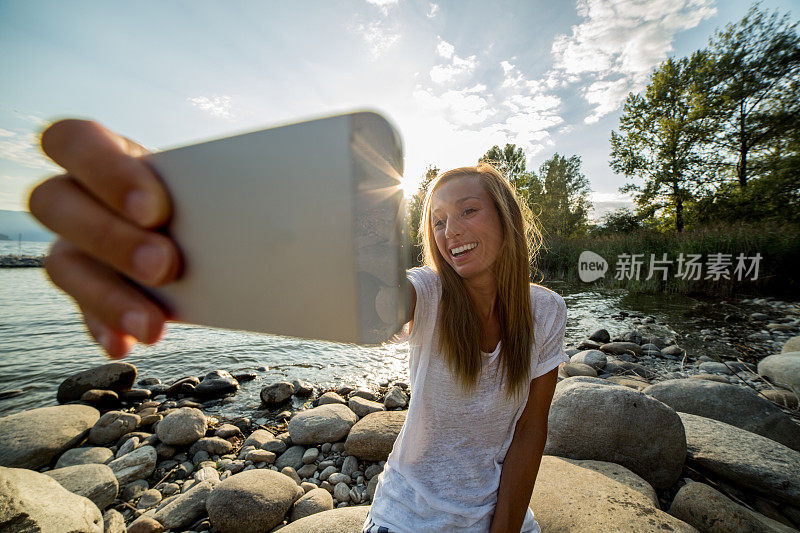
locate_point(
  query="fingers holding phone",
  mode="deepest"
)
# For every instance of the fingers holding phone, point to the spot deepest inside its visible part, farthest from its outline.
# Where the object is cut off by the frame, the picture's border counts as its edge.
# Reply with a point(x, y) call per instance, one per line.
point(105, 210)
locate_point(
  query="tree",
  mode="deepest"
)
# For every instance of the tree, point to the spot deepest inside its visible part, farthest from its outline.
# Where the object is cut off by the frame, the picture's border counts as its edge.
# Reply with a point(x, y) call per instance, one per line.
point(660, 140)
point(564, 198)
point(620, 221)
point(510, 161)
point(415, 204)
point(748, 98)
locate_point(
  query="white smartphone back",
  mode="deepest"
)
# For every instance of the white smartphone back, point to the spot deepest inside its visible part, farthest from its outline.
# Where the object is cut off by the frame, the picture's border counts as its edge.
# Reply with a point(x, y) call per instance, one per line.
point(296, 230)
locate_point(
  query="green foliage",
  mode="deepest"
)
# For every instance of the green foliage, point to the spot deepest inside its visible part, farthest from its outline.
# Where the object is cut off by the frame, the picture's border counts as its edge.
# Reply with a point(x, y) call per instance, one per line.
point(659, 141)
point(563, 197)
point(620, 221)
point(414, 213)
point(778, 244)
point(748, 99)
point(510, 161)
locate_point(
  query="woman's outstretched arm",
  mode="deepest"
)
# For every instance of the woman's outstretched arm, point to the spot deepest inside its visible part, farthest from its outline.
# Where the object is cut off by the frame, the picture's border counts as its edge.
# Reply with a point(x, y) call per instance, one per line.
point(524, 455)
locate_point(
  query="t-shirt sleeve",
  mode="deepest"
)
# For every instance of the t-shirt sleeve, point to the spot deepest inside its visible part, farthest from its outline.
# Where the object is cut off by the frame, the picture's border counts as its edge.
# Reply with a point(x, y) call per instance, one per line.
point(428, 286)
point(551, 313)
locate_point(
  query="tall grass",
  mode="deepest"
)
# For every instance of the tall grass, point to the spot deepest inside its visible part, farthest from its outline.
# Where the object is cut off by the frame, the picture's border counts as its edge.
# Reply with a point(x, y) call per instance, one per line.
point(778, 273)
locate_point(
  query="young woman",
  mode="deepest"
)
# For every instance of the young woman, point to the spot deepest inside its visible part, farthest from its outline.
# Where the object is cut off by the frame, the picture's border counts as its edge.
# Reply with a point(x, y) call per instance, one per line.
point(485, 348)
point(485, 343)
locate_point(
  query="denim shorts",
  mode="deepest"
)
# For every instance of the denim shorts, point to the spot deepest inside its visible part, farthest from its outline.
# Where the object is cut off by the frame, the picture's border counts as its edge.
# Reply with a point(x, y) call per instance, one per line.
point(372, 527)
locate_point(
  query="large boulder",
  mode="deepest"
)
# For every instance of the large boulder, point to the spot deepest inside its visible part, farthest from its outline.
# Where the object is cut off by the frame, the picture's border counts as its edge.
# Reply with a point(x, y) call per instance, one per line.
point(326, 423)
point(707, 509)
point(373, 437)
point(619, 348)
point(569, 497)
point(594, 358)
point(251, 502)
point(182, 426)
point(31, 439)
point(111, 376)
point(733, 404)
point(743, 458)
point(637, 431)
point(96, 482)
point(782, 369)
point(341, 520)
point(30, 501)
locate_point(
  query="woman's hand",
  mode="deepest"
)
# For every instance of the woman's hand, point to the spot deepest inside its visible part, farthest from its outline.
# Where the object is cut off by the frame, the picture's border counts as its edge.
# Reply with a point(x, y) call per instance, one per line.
point(105, 209)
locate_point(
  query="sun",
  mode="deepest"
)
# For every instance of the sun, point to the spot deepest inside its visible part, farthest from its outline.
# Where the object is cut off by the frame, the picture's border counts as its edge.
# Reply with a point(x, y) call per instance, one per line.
point(409, 185)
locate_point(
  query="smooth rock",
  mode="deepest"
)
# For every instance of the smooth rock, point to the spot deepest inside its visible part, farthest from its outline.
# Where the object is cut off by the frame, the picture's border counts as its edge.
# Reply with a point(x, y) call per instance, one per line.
point(113, 522)
point(362, 407)
point(644, 435)
point(212, 445)
point(31, 439)
point(291, 457)
point(395, 398)
point(93, 481)
point(326, 423)
point(215, 384)
point(330, 398)
point(372, 437)
point(138, 464)
point(594, 358)
point(601, 335)
point(85, 456)
point(112, 426)
point(145, 524)
point(341, 520)
point(276, 393)
point(782, 369)
point(30, 501)
point(111, 376)
point(707, 509)
point(185, 509)
point(579, 369)
point(618, 348)
point(314, 501)
point(743, 458)
point(251, 502)
point(732, 404)
point(182, 426)
point(569, 497)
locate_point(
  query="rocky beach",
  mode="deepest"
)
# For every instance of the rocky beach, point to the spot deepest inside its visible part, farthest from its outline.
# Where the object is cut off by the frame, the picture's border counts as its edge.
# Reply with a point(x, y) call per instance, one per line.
point(644, 434)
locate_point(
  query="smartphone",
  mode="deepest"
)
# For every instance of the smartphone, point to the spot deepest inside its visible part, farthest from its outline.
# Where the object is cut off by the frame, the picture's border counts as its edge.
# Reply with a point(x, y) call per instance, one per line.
point(296, 230)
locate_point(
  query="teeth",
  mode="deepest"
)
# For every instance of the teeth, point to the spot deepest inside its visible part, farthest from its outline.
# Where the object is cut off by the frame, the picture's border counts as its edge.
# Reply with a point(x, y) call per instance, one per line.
point(464, 248)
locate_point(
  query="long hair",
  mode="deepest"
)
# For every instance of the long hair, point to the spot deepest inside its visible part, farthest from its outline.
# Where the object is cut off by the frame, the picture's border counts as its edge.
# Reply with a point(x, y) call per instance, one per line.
point(461, 327)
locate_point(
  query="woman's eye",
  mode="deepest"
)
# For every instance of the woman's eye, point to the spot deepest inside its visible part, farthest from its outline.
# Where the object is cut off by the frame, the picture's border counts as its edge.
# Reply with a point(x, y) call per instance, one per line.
point(468, 210)
point(437, 222)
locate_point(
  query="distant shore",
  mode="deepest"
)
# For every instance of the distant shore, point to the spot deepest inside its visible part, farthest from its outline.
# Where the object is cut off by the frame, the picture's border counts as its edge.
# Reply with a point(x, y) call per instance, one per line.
point(21, 261)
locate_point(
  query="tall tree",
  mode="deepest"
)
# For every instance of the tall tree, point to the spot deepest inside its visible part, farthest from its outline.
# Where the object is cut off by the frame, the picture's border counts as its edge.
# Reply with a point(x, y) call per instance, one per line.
point(747, 98)
point(415, 204)
point(564, 199)
point(510, 160)
point(660, 140)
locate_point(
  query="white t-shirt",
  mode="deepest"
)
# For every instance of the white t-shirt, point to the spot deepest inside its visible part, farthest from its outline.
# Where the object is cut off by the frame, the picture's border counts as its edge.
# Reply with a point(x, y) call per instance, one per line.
point(444, 469)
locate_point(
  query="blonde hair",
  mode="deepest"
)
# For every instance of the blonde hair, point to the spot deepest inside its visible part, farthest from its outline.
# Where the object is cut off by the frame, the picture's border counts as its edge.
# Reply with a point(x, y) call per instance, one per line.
point(461, 327)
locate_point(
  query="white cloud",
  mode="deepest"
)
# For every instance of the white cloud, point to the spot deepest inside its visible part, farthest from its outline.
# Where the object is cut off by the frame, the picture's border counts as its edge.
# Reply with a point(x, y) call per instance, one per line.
point(217, 106)
point(383, 5)
point(456, 67)
point(464, 108)
point(23, 149)
point(445, 49)
point(606, 97)
point(377, 36)
point(618, 43)
point(432, 10)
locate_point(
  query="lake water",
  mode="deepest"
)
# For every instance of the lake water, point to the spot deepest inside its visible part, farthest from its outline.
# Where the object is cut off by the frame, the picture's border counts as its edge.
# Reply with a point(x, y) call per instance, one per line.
point(43, 340)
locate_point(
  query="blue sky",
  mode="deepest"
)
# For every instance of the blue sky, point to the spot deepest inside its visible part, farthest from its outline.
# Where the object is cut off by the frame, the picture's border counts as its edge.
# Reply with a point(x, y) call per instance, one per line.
point(454, 77)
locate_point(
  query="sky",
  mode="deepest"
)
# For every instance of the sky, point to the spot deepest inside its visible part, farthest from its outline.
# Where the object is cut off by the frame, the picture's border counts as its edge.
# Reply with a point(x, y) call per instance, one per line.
point(455, 78)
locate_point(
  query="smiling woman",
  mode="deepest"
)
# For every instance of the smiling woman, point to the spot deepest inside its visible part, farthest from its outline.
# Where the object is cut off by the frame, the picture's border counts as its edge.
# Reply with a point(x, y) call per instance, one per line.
point(485, 344)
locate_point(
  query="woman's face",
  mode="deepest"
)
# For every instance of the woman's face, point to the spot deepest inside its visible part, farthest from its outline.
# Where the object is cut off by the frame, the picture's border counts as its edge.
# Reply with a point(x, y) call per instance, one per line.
point(463, 213)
